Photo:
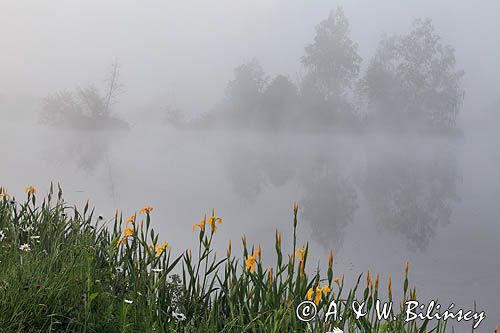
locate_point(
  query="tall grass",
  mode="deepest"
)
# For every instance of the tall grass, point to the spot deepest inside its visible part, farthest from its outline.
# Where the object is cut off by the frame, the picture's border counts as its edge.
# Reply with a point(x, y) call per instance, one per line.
point(66, 270)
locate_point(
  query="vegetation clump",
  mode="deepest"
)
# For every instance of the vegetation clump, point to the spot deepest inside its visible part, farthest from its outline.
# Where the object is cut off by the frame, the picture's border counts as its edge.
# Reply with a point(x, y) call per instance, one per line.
point(88, 108)
point(411, 84)
point(66, 270)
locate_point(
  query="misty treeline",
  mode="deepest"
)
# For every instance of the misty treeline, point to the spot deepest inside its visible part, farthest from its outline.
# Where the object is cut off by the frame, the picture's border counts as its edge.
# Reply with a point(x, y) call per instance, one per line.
point(87, 107)
point(410, 83)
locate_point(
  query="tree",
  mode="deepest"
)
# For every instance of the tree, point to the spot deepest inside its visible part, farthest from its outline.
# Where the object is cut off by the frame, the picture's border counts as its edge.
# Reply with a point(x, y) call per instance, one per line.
point(248, 84)
point(278, 103)
point(58, 108)
point(243, 95)
point(88, 108)
point(92, 103)
point(412, 80)
point(113, 86)
point(255, 101)
point(332, 64)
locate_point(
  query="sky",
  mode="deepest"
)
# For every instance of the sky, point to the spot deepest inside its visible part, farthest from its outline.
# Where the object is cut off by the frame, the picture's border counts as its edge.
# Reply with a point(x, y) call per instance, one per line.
point(185, 51)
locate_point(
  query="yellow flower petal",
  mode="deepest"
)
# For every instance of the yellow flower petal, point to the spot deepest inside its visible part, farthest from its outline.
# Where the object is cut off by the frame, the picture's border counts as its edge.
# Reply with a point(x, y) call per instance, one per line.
point(146, 209)
point(128, 231)
point(309, 294)
point(250, 263)
point(30, 190)
point(317, 299)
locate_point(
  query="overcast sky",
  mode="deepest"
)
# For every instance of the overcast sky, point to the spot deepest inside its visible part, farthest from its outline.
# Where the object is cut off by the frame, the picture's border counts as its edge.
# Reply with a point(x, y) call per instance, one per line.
point(189, 48)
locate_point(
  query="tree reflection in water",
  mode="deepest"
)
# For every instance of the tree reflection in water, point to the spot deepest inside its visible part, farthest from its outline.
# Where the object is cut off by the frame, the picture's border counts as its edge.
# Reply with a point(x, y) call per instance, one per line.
point(412, 194)
point(328, 203)
point(410, 191)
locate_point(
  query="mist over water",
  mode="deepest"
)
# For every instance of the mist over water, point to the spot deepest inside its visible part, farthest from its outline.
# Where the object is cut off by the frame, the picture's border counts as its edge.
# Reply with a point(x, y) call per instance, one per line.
point(376, 197)
point(377, 201)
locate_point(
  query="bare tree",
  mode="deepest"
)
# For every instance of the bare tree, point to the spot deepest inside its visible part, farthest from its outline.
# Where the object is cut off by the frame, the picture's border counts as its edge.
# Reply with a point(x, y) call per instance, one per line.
point(114, 87)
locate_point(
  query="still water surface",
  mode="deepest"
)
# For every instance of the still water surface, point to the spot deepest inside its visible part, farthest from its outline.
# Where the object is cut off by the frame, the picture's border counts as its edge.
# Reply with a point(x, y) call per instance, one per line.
point(376, 200)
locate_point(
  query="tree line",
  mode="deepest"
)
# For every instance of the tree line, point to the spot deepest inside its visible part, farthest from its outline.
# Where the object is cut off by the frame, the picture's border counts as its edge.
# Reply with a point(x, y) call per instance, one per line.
point(410, 83)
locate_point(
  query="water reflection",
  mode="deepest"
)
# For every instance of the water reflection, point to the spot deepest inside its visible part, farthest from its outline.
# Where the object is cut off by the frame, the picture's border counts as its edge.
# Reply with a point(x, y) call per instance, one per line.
point(89, 152)
point(250, 170)
point(278, 167)
point(367, 193)
point(327, 194)
point(328, 203)
point(412, 194)
point(245, 173)
point(408, 189)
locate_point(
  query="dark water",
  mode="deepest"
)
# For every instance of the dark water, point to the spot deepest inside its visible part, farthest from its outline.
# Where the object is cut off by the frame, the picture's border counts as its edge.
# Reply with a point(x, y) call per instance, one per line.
point(377, 200)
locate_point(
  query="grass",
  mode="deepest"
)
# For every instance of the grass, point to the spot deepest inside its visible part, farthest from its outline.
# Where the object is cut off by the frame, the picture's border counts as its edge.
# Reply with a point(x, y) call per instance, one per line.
point(65, 270)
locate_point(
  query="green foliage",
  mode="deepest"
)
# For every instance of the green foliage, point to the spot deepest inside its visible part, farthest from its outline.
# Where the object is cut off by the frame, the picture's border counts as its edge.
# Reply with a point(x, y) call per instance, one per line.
point(66, 270)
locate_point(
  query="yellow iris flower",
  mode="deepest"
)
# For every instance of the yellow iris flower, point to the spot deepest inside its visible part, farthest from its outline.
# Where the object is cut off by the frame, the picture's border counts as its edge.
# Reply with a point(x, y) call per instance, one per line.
point(122, 241)
point(131, 219)
point(301, 252)
point(212, 221)
point(161, 248)
point(30, 190)
point(318, 293)
point(146, 209)
point(200, 225)
point(309, 294)
point(337, 281)
point(251, 260)
point(128, 232)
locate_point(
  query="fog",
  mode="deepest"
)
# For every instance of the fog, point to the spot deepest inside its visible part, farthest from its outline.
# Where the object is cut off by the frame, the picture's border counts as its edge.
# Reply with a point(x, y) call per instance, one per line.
point(185, 131)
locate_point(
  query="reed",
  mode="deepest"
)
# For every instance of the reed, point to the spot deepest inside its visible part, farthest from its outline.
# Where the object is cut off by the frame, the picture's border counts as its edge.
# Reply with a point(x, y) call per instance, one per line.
point(65, 269)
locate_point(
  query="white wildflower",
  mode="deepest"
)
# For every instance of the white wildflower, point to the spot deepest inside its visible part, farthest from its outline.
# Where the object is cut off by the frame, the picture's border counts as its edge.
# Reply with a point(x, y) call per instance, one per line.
point(179, 316)
point(336, 330)
point(25, 247)
point(128, 301)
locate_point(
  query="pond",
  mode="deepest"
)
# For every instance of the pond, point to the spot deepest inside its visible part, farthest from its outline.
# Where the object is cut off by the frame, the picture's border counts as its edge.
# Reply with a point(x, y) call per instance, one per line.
point(377, 200)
